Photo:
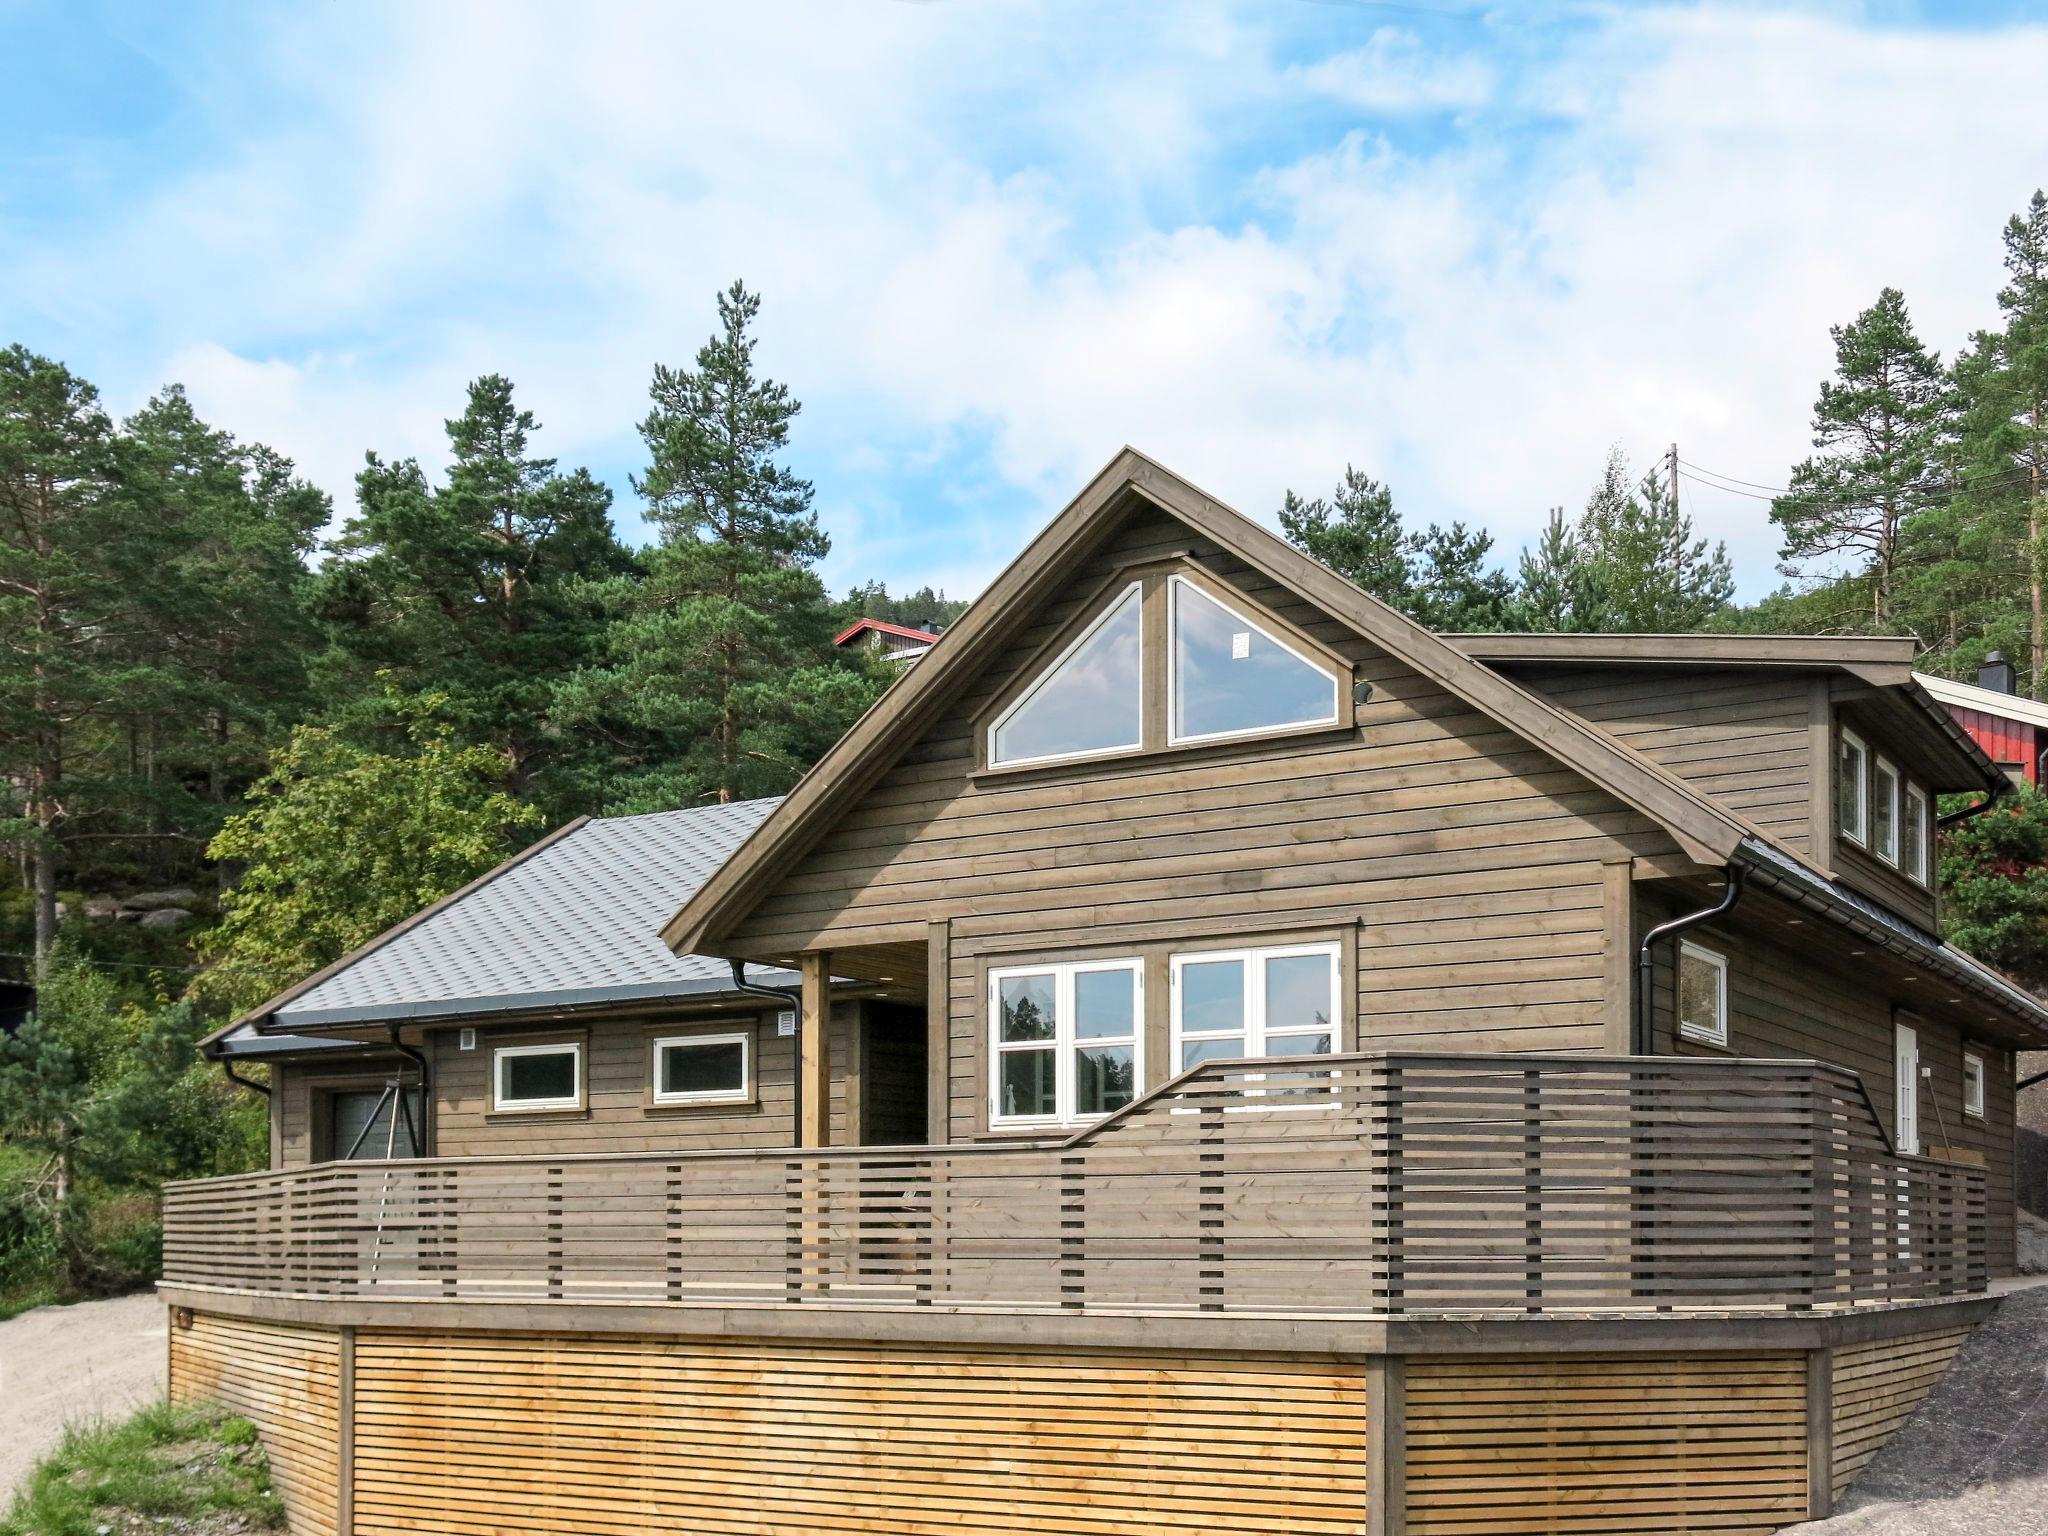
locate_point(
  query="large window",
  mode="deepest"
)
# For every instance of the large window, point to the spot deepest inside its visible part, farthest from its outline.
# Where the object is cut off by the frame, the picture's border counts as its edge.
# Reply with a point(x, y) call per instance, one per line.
point(537, 1077)
point(1255, 1002)
point(368, 1123)
point(702, 1069)
point(1064, 1041)
point(1171, 658)
point(1702, 994)
point(1232, 678)
point(1089, 701)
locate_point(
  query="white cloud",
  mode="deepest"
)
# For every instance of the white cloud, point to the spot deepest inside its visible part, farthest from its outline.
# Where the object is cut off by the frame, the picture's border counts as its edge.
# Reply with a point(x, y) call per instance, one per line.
point(1395, 73)
point(991, 229)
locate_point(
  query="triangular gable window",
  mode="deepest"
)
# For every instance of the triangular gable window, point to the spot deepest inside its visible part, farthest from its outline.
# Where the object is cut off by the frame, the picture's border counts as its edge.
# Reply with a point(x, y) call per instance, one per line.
point(1232, 678)
point(1089, 701)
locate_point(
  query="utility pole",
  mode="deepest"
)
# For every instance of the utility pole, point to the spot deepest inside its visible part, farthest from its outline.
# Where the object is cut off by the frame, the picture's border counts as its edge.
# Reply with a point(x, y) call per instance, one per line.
point(1677, 529)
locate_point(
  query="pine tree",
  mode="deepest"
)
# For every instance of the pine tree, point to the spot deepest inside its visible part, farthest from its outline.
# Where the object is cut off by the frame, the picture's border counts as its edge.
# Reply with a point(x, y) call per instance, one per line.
point(1438, 576)
point(1652, 574)
point(78, 568)
point(479, 590)
point(1880, 426)
point(719, 679)
point(2003, 380)
point(1555, 591)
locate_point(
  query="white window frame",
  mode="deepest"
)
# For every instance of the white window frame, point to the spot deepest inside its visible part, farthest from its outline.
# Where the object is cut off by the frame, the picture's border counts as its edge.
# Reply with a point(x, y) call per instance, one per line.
point(1254, 983)
point(1973, 1084)
point(1133, 592)
point(1922, 857)
point(1859, 833)
point(1718, 1035)
point(503, 1053)
point(1065, 1044)
point(1174, 737)
point(741, 1095)
point(1906, 1088)
point(1880, 764)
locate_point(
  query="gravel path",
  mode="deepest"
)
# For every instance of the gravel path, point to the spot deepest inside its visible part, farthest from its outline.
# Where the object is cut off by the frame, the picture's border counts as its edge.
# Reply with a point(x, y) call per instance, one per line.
point(59, 1365)
point(1973, 1460)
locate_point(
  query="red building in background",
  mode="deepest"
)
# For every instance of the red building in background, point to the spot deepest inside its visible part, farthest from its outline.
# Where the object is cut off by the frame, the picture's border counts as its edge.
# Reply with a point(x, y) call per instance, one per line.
point(2012, 731)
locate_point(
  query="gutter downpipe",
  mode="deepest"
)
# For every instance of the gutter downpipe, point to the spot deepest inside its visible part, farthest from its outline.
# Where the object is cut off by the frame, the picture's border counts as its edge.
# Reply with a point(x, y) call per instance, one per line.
point(1980, 807)
point(400, 1107)
point(1646, 964)
point(228, 1067)
point(795, 999)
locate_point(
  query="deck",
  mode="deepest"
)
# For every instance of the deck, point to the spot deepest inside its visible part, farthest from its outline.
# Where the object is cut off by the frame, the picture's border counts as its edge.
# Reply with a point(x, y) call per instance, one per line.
point(1361, 1186)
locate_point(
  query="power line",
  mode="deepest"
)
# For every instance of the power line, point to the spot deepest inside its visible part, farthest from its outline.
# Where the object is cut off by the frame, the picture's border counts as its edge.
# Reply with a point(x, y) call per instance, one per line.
point(1715, 480)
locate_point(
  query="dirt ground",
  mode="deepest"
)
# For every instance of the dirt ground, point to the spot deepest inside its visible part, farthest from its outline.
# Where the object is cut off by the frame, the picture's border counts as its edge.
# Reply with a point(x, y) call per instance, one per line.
point(59, 1365)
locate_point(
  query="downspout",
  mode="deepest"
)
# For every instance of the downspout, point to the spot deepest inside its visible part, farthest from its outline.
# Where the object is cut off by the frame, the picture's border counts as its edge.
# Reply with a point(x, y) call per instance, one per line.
point(2028, 1082)
point(228, 1067)
point(419, 1059)
point(795, 999)
point(1646, 966)
point(1979, 807)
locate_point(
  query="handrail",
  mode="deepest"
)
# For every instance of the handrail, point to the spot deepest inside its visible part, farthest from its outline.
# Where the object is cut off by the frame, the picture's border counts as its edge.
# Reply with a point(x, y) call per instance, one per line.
point(1379, 1182)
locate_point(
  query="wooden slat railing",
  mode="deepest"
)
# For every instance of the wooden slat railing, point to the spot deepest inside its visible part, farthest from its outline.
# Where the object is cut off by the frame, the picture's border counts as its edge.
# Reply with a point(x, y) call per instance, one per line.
point(1358, 1185)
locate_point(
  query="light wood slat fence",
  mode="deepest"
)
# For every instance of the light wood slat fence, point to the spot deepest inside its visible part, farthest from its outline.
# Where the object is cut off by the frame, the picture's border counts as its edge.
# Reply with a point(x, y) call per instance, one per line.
point(1361, 1185)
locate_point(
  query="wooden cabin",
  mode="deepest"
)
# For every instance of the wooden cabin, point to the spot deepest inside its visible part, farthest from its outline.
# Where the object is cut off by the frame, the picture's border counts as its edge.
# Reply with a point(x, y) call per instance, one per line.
point(1203, 1053)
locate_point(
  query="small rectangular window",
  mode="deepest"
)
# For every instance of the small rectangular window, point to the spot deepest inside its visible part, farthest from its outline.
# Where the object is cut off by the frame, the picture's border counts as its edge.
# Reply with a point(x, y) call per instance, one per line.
point(537, 1077)
point(1064, 1041)
point(1850, 790)
point(1884, 811)
point(703, 1069)
point(1914, 854)
point(1973, 1084)
point(1702, 994)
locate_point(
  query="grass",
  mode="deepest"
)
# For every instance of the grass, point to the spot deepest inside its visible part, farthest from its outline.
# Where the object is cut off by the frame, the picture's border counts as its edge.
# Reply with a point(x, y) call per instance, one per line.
point(168, 1463)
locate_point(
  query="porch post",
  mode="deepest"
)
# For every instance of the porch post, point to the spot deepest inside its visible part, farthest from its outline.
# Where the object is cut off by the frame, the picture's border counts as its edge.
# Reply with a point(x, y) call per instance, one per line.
point(1820, 1434)
point(1386, 1445)
point(814, 1061)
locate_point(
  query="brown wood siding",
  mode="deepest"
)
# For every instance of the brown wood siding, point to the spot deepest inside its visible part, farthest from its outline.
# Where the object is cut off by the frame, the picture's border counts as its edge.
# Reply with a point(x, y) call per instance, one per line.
point(1797, 991)
point(1512, 1445)
point(472, 1433)
point(1876, 1388)
point(1741, 736)
point(285, 1380)
point(1467, 861)
point(616, 1117)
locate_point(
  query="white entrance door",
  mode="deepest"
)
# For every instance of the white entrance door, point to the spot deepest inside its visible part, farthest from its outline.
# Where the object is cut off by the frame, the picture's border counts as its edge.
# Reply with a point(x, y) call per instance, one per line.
point(1906, 1061)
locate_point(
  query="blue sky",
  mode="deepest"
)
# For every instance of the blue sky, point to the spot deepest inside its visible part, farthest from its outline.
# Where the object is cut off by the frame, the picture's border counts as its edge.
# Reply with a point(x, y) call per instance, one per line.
point(1465, 247)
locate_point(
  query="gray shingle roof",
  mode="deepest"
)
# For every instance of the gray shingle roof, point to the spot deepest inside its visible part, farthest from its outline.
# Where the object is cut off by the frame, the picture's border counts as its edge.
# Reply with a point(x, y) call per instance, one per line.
point(579, 922)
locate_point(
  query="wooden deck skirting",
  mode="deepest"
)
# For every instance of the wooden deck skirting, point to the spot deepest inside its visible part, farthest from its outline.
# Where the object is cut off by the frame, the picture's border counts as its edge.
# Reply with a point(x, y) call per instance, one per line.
point(1369, 1185)
point(477, 1417)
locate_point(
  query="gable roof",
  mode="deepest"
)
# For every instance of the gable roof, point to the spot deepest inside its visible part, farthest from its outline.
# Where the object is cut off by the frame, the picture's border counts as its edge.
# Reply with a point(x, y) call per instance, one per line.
point(883, 626)
point(1884, 663)
point(1987, 701)
point(1708, 833)
point(568, 922)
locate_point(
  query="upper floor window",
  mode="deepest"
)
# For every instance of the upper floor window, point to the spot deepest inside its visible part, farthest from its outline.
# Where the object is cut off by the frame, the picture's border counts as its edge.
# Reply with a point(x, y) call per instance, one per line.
point(1851, 758)
point(1880, 809)
point(1232, 678)
point(1171, 658)
point(1255, 1002)
point(1089, 701)
point(1973, 1084)
point(1064, 1041)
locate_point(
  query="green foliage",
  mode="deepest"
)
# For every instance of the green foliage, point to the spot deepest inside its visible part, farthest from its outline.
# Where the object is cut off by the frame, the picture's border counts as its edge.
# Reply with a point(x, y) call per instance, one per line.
point(1437, 576)
point(1644, 570)
point(1881, 427)
point(719, 679)
point(170, 1461)
point(340, 842)
point(927, 605)
point(481, 591)
point(1994, 884)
